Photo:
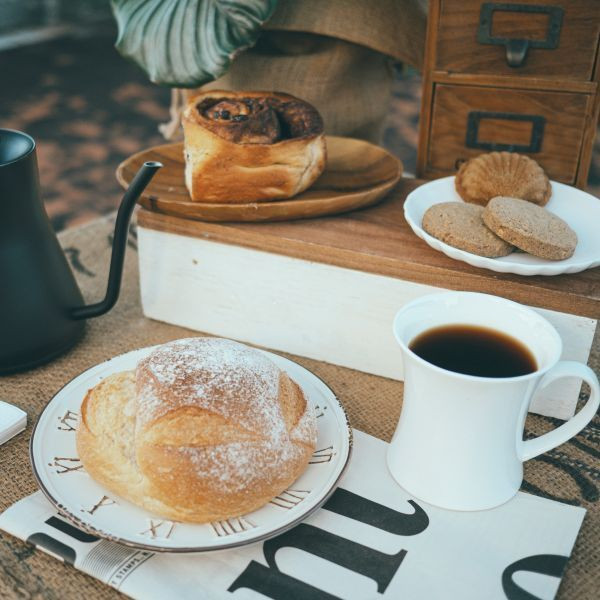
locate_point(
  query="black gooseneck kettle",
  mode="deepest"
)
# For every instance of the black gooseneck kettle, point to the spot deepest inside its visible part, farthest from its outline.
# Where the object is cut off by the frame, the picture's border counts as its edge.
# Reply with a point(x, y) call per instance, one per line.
point(42, 311)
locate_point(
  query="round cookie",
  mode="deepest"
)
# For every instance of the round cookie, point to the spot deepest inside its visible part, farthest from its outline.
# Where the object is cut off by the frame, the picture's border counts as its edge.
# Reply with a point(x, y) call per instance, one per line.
point(502, 174)
point(460, 225)
point(530, 228)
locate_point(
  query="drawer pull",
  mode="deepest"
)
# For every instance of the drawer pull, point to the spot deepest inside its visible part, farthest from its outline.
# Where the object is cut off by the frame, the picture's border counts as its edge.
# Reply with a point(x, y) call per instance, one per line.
point(516, 49)
point(475, 117)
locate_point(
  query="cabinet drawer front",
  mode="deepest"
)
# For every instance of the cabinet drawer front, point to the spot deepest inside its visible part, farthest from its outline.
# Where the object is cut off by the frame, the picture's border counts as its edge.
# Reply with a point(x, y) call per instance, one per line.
point(554, 39)
point(467, 121)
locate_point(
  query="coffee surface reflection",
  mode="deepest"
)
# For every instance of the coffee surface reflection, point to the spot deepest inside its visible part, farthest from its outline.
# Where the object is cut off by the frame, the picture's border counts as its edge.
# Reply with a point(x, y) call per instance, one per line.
point(474, 350)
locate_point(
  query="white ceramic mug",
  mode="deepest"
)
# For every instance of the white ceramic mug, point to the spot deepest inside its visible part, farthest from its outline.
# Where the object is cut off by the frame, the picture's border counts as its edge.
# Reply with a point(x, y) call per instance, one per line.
point(459, 441)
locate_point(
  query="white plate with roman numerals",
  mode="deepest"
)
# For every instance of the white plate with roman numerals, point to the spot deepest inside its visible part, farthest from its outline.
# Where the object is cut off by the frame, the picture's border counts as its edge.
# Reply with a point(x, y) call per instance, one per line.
point(95, 509)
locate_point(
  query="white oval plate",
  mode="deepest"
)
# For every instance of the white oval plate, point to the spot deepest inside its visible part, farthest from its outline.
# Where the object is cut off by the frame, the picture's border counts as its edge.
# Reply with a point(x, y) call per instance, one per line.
point(579, 209)
point(99, 511)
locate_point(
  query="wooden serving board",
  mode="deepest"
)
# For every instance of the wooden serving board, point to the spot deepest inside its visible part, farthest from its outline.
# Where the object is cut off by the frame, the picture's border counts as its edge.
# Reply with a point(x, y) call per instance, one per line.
point(357, 174)
point(378, 240)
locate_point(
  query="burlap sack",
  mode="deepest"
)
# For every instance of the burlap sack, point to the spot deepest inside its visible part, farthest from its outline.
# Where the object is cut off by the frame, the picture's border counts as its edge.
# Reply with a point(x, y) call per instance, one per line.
point(395, 28)
point(338, 55)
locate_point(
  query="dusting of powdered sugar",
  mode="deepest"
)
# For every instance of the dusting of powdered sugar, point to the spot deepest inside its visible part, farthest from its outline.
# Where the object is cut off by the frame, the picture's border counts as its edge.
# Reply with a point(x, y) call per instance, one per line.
point(220, 376)
point(238, 466)
point(236, 382)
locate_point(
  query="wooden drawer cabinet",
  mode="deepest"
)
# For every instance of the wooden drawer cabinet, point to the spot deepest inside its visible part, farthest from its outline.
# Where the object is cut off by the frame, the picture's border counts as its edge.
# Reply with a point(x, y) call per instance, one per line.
point(556, 39)
point(515, 76)
point(549, 125)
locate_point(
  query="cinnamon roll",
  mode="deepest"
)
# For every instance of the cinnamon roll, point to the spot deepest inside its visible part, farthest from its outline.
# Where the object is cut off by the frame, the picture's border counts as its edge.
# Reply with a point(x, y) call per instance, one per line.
point(251, 146)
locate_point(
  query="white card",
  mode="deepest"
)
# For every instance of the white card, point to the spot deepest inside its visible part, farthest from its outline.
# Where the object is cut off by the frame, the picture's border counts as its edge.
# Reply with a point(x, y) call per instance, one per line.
point(12, 421)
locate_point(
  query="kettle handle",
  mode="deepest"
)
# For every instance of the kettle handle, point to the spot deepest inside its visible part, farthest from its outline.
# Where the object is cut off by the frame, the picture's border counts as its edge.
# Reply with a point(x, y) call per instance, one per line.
point(133, 192)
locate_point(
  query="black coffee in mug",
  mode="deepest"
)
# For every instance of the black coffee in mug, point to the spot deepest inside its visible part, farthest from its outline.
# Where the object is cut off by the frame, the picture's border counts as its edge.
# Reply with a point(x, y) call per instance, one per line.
point(474, 350)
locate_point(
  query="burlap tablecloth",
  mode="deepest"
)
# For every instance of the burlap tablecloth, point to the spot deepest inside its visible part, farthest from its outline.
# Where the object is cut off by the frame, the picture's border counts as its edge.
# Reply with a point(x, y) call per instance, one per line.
point(571, 473)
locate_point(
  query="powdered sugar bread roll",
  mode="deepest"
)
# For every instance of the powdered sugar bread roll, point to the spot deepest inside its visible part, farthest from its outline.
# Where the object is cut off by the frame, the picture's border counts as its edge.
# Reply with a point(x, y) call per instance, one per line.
point(204, 429)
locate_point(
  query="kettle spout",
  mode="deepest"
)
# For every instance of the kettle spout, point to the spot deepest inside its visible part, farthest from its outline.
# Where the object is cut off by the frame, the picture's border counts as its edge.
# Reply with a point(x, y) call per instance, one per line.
point(133, 192)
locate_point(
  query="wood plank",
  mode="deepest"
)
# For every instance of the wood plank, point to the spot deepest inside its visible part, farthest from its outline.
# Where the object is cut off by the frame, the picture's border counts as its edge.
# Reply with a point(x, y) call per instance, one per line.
point(589, 136)
point(458, 48)
point(427, 88)
point(564, 123)
point(378, 240)
point(506, 81)
point(454, 56)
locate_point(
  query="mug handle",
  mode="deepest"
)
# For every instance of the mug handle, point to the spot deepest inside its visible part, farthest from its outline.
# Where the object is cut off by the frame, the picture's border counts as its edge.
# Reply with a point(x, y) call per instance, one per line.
point(547, 441)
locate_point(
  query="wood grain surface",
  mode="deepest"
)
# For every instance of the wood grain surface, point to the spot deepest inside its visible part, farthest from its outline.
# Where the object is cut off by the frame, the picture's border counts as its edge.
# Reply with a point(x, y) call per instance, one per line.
point(357, 174)
point(524, 83)
point(459, 51)
point(565, 121)
point(560, 84)
point(378, 240)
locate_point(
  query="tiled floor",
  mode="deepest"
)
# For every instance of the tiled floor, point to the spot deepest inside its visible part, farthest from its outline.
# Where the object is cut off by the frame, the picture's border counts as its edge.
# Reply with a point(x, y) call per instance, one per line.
point(88, 109)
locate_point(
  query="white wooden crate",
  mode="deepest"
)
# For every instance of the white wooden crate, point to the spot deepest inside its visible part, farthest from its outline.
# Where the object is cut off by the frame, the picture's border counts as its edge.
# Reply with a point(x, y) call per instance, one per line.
point(330, 313)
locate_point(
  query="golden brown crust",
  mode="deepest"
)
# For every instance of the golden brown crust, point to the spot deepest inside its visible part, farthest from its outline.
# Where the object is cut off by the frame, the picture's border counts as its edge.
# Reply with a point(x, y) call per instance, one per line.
point(502, 174)
point(531, 228)
point(205, 429)
point(251, 146)
point(460, 225)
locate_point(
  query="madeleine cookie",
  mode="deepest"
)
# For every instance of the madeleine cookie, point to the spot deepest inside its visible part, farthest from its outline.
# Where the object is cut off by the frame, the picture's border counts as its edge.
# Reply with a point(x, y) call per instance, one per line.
point(530, 228)
point(502, 174)
point(460, 225)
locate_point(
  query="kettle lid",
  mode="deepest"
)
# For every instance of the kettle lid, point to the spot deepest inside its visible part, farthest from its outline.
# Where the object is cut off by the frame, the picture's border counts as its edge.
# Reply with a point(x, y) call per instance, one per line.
point(14, 145)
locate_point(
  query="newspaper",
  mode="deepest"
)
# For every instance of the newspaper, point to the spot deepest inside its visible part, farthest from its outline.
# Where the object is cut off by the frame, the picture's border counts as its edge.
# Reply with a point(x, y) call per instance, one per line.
point(370, 540)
